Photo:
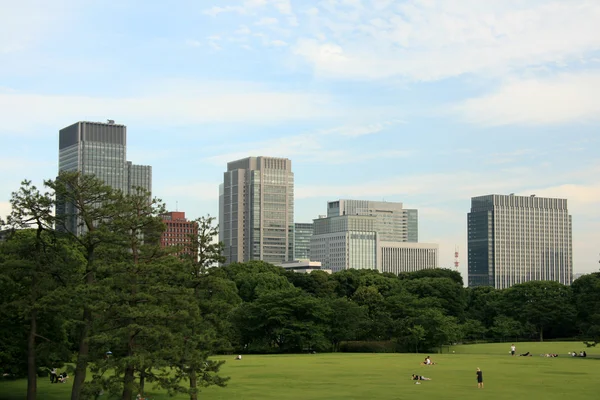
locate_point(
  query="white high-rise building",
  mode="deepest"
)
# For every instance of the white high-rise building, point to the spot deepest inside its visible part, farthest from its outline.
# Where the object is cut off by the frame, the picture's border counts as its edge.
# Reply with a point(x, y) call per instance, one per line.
point(393, 222)
point(360, 235)
point(256, 210)
point(515, 239)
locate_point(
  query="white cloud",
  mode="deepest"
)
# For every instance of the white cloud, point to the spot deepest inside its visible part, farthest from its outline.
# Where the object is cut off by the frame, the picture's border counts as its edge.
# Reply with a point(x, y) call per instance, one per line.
point(278, 43)
point(252, 6)
point(313, 147)
point(193, 43)
point(360, 130)
point(21, 112)
point(558, 99)
point(436, 39)
point(26, 23)
point(243, 30)
point(266, 21)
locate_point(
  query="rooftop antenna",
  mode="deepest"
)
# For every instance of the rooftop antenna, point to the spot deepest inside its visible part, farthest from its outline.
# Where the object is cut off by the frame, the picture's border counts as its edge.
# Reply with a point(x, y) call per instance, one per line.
point(176, 205)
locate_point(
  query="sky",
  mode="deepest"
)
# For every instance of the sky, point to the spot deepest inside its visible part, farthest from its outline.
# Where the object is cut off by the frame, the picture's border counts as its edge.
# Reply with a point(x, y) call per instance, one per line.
point(426, 102)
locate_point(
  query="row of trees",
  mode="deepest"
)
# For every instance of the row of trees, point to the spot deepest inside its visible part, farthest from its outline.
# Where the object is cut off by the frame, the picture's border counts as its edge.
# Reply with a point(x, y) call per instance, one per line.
point(115, 303)
point(108, 298)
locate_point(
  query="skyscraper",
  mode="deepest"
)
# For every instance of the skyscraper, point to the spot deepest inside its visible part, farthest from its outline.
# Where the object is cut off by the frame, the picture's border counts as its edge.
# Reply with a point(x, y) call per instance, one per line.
point(100, 149)
point(302, 234)
point(256, 210)
point(515, 239)
point(363, 234)
point(393, 222)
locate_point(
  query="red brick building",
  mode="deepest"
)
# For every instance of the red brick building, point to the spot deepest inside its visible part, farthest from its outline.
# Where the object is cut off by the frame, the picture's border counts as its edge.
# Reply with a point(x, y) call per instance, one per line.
point(178, 230)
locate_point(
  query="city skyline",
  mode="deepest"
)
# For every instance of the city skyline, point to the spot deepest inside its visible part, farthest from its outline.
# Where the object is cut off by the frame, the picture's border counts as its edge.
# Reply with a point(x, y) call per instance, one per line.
point(402, 101)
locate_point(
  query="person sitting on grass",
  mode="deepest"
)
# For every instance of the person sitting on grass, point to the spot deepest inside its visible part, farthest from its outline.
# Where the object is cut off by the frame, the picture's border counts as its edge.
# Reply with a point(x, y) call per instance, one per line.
point(427, 361)
point(419, 378)
point(62, 378)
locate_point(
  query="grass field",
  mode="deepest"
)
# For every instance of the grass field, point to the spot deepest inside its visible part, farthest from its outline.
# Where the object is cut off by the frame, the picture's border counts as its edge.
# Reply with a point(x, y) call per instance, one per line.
point(387, 376)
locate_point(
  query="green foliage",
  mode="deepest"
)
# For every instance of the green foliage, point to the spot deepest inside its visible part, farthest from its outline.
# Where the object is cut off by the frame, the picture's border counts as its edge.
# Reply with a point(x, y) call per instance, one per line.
point(586, 294)
point(387, 346)
point(543, 304)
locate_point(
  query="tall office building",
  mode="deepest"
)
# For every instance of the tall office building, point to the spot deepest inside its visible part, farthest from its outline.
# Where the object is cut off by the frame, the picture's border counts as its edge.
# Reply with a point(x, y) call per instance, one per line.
point(351, 241)
point(302, 234)
point(515, 239)
point(99, 149)
point(393, 222)
point(256, 210)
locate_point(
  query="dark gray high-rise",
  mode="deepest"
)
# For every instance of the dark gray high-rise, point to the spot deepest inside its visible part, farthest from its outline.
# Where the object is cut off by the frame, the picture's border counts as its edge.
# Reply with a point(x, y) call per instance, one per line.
point(100, 149)
point(515, 239)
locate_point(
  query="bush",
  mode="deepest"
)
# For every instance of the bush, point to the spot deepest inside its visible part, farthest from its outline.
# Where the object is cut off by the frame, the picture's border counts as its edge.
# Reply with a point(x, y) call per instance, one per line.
point(387, 346)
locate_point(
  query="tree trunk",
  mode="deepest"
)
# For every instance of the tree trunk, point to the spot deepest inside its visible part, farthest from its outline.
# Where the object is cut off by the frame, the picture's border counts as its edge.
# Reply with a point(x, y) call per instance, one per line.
point(82, 356)
point(142, 381)
point(193, 385)
point(86, 329)
point(128, 381)
point(31, 367)
point(541, 334)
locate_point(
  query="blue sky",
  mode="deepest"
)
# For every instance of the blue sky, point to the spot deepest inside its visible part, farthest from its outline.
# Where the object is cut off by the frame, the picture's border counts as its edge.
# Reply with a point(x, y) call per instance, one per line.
point(421, 101)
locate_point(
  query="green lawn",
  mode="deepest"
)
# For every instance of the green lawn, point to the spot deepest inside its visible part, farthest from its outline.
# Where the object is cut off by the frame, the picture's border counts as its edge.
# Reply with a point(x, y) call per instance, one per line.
point(387, 376)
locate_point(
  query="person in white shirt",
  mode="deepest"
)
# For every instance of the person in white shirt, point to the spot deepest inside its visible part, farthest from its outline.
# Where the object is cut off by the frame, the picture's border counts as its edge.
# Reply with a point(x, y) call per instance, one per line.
point(513, 349)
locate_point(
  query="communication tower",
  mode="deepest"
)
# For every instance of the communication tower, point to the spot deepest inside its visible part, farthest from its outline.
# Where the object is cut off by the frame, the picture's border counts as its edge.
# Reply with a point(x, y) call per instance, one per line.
point(456, 262)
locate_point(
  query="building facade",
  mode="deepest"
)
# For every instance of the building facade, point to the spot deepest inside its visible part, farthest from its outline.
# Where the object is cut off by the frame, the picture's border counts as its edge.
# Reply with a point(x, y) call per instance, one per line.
point(393, 222)
point(256, 210)
point(178, 232)
point(351, 241)
point(303, 266)
point(99, 149)
point(396, 257)
point(515, 239)
point(302, 234)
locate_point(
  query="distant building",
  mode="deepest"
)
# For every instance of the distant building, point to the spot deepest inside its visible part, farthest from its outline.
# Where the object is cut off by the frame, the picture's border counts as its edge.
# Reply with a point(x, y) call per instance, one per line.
point(302, 234)
point(393, 222)
point(515, 239)
point(303, 266)
point(99, 149)
point(579, 275)
point(256, 210)
point(178, 232)
point(398, 257)
point(353, 242)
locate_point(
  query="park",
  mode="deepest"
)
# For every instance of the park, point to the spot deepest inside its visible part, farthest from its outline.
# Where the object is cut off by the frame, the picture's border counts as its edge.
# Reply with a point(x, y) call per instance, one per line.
point(122, 315)
point(387, 376)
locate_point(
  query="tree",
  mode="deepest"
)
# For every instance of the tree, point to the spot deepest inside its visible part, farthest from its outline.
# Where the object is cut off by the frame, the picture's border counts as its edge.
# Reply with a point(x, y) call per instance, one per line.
point(87, 209)
point(544, 304)
point(506, 327)
point(346, 317)
point(451, 295)
point(416, 335)
point(287, 320)
point(34, 267)
point(586, 294)
point(216, 298)
point(434, 273)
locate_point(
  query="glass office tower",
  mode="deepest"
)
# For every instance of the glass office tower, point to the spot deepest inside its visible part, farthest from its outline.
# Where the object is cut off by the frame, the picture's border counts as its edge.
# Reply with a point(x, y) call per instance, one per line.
point(515, 239)
point(100, 149)
point(256, 210)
